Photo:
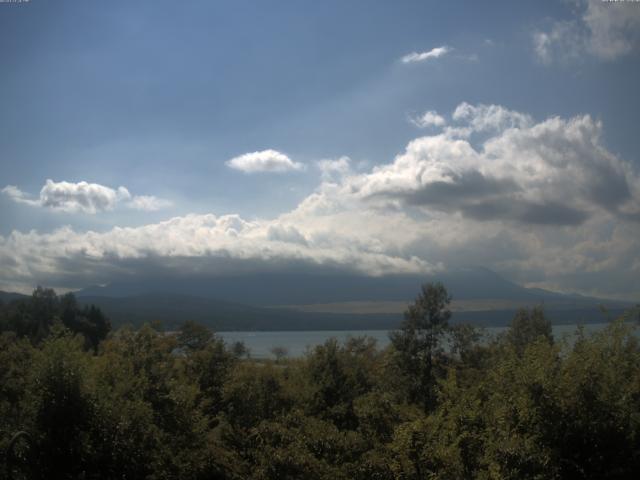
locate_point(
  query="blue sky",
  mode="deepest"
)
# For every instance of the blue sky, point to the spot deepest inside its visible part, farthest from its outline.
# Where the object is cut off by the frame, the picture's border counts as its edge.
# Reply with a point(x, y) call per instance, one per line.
point(158, 97)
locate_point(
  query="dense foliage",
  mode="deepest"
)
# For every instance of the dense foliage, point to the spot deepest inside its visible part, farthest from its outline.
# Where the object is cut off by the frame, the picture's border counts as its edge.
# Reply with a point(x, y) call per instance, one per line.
point(35, 317)
point(143, 404)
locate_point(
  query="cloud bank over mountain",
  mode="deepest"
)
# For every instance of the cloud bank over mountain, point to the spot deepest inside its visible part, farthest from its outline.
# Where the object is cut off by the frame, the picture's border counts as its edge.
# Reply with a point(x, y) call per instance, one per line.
point(542, 201)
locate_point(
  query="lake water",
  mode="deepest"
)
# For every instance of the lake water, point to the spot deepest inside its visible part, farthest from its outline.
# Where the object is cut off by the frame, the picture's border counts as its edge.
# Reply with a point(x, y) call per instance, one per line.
point(297, 342)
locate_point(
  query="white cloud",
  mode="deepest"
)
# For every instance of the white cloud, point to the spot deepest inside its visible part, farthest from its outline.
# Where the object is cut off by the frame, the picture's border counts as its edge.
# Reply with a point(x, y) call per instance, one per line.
point(606, 30)
point(614, 28)
point(332, 168)
point(83, 197)
point(193, 243)
point(429, 119)
point(544, 201)
point(264, 161)
point(554, 172)
point(564, 42)
point(541, 200)
point(481, 118)
point(424, 56)
point(18, 196)
point(286, 233)
point(148, 203)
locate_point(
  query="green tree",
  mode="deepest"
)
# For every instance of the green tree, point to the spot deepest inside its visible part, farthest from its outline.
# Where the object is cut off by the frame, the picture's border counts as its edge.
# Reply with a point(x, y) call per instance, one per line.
point(152, 421)
point(465, 344)
point(16, 361)
point(88, 321)
point(210, 368)
point(35, 316)
point(526, 327)
point(62, 406)
point(418, 341)
point(194, 336)
point(598, 436)
point(298, 446)
point(279, 352)
point(337, 375)
point(253, 393)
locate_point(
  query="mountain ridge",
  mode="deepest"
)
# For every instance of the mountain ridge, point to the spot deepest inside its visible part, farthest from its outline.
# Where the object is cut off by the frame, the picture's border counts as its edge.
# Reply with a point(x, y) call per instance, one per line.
point(326, 302)
point(299, 289)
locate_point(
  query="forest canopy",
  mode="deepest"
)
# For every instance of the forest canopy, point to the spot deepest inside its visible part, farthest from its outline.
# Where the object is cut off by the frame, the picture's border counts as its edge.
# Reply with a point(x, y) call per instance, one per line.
point(139, 403)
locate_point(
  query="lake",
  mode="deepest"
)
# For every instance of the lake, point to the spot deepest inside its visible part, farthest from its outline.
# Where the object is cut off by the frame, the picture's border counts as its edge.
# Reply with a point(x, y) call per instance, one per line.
point(297, 342)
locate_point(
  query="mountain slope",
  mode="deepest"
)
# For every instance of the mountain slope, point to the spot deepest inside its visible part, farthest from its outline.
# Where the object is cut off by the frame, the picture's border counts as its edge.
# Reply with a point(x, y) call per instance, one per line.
point(299, 289)
point(171, 310)
point(325, 302)
point(7, 297)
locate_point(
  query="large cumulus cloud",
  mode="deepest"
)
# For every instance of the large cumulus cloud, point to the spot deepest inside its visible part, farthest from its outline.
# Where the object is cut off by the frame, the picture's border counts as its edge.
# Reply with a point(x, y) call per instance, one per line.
point(555, 172)
point(544, 202)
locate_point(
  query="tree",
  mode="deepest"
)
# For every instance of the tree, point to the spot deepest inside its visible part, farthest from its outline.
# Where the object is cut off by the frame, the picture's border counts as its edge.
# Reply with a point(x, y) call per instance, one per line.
point(98, 325)
point(89, 321)
point(254, 393)
point(337, 375)
point(194, 337)
point(239, 349)
point(465, 342)
point(279, 352)
point(418, 340)
point(209, 367)
point(38, 314)
point(61, 406)
point(34, 317)
point(526, 327)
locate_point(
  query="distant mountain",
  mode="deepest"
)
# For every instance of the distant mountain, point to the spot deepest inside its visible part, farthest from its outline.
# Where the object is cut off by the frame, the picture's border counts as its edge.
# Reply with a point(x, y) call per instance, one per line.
point(296, 301)
point(326, 302)
point(171, 310)
point(301, 289)
point(7, 297)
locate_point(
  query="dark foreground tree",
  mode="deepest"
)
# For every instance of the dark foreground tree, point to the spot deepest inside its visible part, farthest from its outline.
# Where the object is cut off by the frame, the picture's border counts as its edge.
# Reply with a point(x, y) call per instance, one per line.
point(418, 341)
point(35, 317)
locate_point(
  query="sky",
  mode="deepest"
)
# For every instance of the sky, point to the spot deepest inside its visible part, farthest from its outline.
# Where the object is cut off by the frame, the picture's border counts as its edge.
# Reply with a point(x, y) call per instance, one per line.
point(362, 137)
